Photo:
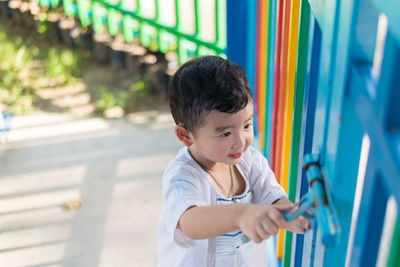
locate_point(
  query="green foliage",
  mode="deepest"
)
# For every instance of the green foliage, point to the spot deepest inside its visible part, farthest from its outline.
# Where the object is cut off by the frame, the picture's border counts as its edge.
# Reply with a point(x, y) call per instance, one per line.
point(22, 63)
point(15, 63)
point(62, 63)
point(123, 98)
point(35, 62)
point(142, 86)
point(108, 99)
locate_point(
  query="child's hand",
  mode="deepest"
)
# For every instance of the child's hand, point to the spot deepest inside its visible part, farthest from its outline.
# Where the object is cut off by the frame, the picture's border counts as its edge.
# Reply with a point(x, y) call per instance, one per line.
point(258, 222)
point(298, 225)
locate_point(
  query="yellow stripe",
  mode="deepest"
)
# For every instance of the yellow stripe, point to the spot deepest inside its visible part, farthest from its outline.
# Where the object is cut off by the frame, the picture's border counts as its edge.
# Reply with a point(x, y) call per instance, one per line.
point(288, 113)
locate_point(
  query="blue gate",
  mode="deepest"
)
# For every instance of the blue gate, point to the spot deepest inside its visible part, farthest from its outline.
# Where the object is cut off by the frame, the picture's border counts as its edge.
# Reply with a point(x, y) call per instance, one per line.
point(352, 126)
point(350, 123)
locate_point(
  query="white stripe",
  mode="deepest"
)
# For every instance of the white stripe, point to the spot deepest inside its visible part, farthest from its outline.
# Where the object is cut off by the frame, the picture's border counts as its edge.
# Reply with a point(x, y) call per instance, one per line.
point(366, 143)
point(388, 231)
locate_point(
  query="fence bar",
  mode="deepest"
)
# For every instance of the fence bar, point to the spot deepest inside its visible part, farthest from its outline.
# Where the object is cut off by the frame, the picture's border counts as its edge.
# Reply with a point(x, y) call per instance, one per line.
point(281, 110)
point(236, 13)
point(288, 116)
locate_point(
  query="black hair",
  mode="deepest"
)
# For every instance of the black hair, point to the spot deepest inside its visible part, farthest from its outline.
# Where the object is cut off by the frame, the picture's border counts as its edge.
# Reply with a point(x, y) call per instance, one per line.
point(204, 84)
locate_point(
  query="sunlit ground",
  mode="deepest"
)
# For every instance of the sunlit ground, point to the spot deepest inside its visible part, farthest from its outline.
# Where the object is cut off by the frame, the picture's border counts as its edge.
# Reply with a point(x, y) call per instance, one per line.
point(53, 163)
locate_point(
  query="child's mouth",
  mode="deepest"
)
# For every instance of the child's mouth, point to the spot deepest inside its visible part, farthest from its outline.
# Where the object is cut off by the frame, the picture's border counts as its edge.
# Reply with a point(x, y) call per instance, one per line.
point(236, 156)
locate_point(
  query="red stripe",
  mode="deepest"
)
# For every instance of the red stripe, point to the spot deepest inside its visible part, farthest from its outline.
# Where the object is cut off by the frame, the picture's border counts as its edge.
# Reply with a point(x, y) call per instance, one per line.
point(282, 93)
point(275, 107)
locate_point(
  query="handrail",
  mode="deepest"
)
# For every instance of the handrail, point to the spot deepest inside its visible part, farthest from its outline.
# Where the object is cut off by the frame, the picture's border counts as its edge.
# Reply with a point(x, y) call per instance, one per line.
point(190, 37)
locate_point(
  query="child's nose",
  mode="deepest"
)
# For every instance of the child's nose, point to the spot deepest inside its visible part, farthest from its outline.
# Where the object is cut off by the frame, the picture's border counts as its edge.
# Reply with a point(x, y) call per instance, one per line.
point(240, 141)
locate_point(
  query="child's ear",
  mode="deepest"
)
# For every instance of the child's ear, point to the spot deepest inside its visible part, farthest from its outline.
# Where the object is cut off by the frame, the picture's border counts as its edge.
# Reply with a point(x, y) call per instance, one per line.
point(183, 135)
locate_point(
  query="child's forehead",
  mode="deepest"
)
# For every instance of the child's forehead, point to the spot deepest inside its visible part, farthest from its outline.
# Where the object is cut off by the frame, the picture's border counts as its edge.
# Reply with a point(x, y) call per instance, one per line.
point(215, 116)
point(218, 119)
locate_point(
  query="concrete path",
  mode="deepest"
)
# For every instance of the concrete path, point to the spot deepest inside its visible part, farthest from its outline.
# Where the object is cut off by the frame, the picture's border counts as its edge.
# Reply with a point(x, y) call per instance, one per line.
point(52, 163)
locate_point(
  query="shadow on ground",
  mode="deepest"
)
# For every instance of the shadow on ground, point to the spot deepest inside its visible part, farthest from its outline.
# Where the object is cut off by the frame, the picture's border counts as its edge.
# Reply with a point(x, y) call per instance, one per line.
point(112, 167)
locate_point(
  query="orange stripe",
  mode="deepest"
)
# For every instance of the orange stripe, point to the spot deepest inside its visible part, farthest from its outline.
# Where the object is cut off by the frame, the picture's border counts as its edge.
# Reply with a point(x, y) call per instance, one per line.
point(262, 71)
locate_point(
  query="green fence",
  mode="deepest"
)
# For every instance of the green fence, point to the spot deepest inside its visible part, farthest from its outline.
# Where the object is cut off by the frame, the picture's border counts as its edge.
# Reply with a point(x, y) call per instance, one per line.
point(189, 27)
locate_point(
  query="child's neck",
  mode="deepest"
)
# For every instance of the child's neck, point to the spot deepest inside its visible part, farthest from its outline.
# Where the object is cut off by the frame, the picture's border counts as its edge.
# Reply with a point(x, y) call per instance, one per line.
point(209, 165)
point(217, 167)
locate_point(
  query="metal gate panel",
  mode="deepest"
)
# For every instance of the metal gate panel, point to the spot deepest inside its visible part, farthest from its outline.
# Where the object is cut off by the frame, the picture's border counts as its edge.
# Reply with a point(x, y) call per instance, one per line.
point(357, 97)
point(314, 48)
point(335, 123)
point(343, 137)
point(324, 14)
point(375, 92)
point(351, 94)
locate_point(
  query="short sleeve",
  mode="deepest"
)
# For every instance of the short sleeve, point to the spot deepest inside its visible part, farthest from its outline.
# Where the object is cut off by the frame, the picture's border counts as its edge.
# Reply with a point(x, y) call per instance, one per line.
point(266, 189)
point(182, 190)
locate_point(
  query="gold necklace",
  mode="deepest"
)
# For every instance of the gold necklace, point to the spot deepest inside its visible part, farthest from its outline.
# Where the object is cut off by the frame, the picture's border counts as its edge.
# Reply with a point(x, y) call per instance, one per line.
point(232, 189)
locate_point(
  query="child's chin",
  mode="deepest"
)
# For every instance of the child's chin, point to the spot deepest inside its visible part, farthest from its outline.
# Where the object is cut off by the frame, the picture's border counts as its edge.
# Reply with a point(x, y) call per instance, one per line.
point(235, 160)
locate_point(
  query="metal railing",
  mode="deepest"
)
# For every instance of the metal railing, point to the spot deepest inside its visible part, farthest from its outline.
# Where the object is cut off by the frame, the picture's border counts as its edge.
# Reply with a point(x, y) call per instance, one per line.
point(189, 27)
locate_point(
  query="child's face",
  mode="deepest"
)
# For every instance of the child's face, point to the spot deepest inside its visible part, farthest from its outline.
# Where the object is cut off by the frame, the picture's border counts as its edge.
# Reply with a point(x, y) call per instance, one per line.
point(223, 137)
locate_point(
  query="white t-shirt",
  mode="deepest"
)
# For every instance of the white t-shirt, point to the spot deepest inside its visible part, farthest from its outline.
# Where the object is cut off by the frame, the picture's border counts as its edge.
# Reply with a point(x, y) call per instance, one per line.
point(186, 184)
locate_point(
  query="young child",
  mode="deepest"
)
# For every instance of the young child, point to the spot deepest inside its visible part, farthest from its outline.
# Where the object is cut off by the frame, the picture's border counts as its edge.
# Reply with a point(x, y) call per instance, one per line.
point(219, 195)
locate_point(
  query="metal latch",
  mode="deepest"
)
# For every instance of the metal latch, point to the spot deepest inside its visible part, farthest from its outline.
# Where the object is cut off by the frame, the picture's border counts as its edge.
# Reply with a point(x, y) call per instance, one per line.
point(316, 204)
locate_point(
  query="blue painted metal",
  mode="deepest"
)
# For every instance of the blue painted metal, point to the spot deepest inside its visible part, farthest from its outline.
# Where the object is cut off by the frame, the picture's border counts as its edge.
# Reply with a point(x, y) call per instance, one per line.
point(369, 228)
point(304, 207)
point(383, 173)
point(316, 204)
point(364, 14)
point(347, 17)
point(327, 107)
point(352, 101)
point(324, 91)
point(270, 75)
point(239, 46)
point(343, 135)
point(236, 12)
point(251, 42)
point(344, 179)
point(306, 137)
point(317, 9)
point(391, 9)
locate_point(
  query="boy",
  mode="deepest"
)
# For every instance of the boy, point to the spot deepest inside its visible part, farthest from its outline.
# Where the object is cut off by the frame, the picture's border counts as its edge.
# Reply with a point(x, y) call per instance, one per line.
point(218, 192)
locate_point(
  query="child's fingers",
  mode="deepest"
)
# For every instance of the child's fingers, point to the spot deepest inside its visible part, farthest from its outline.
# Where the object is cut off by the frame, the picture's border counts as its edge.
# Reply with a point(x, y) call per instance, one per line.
point(256, 237)
point(269, 227)
point(277, 218)
point(298, 231)
point(282, 206)
point(304, 222)
point(262, 234)
point(299, 225)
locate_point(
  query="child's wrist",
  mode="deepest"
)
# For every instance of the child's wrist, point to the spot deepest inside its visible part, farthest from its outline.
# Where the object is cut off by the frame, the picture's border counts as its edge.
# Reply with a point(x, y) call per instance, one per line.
point(239, 210)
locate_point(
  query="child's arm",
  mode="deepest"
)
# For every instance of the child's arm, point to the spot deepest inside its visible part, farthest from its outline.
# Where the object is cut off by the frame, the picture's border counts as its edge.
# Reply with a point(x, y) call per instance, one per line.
point(297, 225)
point(257, 222)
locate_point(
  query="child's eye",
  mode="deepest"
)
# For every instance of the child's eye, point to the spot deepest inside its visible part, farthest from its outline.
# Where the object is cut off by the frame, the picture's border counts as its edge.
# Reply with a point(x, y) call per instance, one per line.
point(247, 126)
point(225, 134)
